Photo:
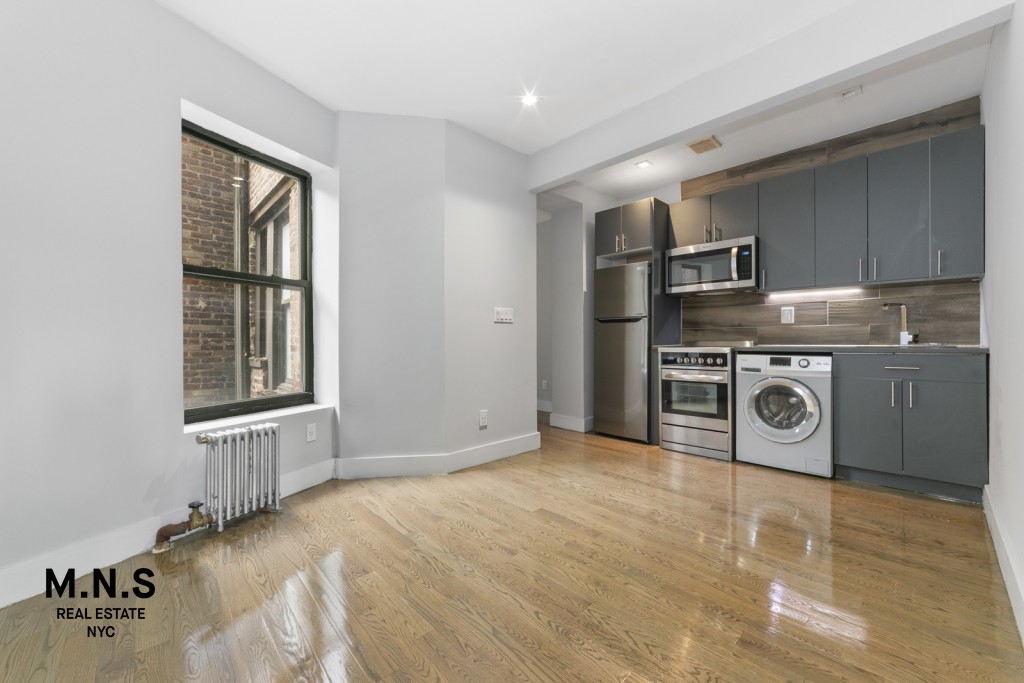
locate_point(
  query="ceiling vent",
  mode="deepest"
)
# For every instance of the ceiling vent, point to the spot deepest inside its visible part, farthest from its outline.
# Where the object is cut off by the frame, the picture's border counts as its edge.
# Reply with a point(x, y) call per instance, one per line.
point(705, 145)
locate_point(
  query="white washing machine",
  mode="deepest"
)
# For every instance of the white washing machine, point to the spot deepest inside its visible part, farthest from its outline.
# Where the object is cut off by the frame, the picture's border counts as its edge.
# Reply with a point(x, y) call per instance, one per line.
point(784, 411)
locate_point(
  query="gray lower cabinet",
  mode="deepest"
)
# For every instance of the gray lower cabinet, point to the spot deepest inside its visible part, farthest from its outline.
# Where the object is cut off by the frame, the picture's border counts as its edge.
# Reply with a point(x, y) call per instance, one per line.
point(841, 222)
point(786, 231)
point(958, 204)
point(917, 415)
point(898, 213)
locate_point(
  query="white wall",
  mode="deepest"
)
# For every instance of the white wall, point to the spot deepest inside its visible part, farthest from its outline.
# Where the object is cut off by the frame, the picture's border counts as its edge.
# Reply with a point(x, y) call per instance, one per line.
point(545, 293)
point(94, 457)
point(489, 260)
point(437, 230)
point(1002, 102)
point(391, 286)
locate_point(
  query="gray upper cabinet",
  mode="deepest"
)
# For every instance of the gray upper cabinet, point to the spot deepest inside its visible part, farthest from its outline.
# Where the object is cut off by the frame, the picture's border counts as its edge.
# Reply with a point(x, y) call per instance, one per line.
point(841, 222)
point(691, 221)
point(637, 222)
point(734, 213)
point(958, 203)
point(786, 231)
point(723, 215)
point(898, 213)
point(608, 231)
point(630, 228)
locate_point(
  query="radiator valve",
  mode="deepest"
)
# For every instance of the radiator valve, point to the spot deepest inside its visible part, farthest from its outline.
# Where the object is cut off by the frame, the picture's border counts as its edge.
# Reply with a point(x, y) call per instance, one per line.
point(195, 520)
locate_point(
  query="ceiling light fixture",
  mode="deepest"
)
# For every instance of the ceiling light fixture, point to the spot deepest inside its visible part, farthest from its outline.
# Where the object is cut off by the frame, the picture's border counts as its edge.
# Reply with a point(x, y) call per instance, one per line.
point(529, 99)
point(644, 164)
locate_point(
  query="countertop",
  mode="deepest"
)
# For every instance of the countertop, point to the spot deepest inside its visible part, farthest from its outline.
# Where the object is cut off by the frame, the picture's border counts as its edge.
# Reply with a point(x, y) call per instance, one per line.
point(859, 348)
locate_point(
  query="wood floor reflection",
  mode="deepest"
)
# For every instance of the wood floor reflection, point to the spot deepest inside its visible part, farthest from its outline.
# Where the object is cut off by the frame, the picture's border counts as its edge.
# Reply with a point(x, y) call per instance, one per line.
point(590, 559)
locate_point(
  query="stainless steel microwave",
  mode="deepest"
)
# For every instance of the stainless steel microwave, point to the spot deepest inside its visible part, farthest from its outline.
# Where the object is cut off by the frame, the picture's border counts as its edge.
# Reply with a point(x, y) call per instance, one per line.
point(712, 266)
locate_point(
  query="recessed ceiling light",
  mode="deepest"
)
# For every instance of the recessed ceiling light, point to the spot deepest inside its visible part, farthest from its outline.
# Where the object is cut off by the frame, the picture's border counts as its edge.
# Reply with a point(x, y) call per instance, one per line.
point(529, 99)
point(644, 164)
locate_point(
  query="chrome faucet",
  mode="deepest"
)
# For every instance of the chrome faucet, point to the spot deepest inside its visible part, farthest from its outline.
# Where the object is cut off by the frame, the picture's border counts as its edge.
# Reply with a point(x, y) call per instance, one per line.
point(905, 335)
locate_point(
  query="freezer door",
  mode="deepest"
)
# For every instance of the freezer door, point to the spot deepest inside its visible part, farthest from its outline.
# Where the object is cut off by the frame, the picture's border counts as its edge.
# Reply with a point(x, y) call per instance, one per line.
point(621, 291)
point(621, 351)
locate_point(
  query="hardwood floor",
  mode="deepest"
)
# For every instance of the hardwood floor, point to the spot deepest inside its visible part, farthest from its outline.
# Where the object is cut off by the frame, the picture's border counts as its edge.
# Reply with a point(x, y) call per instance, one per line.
point(589, 560)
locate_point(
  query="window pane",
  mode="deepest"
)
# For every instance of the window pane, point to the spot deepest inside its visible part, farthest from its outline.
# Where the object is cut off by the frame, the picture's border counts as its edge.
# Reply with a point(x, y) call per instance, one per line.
point(241, 342)
point(238, 214)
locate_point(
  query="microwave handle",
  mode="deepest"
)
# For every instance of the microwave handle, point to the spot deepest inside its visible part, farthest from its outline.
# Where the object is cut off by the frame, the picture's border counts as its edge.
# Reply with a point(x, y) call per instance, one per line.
point(735, 268)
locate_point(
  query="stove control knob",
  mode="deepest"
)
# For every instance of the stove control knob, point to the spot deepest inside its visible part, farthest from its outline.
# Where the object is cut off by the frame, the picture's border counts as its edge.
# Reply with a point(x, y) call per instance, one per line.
point(679, 359)
point(719, 361)
point(803, 362)
point(701, 361)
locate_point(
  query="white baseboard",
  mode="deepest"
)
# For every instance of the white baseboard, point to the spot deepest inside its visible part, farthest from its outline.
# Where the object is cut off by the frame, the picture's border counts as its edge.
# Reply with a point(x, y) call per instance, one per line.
point(433, 463)
point(27, 578)
point(574, 424)
point(544, 406)
point(1006, 552)
point(307, 477)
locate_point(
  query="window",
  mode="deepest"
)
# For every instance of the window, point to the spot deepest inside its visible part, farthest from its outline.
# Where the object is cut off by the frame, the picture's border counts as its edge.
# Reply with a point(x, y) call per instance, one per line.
point(247, 299)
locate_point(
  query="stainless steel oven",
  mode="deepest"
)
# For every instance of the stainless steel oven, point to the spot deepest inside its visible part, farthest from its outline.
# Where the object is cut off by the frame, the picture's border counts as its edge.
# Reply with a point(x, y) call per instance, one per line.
point(696, 400)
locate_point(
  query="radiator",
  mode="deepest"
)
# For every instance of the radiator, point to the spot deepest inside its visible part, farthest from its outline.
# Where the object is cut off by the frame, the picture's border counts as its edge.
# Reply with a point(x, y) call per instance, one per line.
point(243, 471)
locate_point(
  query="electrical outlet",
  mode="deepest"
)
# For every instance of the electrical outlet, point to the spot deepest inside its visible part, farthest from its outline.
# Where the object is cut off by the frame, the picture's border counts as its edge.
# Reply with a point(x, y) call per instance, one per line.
point(503, 315)
point(788, 315)
point(544, 385)
point(483, 419)
point(310, 433)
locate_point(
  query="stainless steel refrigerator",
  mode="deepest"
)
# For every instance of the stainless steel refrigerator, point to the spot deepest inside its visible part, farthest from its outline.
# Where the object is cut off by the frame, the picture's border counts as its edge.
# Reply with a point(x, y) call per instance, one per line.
point(622, 345)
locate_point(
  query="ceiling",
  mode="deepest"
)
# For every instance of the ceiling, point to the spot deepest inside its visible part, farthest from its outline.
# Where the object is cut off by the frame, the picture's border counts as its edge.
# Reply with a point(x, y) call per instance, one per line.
point(467, 61)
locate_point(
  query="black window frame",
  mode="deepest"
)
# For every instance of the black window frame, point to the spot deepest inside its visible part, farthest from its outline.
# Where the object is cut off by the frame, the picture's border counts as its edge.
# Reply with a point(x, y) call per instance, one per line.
point(304, 283)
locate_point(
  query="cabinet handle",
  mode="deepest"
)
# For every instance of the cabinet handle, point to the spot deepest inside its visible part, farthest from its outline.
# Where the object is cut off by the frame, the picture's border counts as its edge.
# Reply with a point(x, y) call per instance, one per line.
point(717, 231)
point(707, 234)
point(899, 367)
point(763, 278)
point(623, 241)
point(617, 243)
point(875, 276)
point(940, 263)
point(892, 394)
point(911, 394)
point(860, 270)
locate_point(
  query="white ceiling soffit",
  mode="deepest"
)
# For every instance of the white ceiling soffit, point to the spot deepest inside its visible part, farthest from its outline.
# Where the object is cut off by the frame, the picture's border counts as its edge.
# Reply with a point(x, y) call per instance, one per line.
point(946, 74)
point(840, 48)
point(466, 61)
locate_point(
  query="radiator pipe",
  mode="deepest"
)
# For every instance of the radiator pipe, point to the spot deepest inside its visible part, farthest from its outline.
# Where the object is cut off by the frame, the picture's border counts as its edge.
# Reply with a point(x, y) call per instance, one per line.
point(195, 520)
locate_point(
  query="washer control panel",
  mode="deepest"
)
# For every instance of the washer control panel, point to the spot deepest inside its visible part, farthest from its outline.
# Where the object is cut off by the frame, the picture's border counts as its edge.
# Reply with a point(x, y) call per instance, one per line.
point(769, 363)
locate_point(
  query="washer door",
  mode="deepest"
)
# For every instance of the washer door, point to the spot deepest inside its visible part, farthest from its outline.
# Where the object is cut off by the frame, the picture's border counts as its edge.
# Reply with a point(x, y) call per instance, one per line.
point(782, 410)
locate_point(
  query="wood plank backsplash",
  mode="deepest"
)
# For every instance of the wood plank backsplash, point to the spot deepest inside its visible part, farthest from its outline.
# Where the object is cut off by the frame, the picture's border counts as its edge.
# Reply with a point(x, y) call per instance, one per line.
point(948, 313)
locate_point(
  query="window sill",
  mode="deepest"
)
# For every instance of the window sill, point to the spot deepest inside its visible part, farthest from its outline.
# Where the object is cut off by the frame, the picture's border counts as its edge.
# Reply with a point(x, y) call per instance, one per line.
point(252, 418)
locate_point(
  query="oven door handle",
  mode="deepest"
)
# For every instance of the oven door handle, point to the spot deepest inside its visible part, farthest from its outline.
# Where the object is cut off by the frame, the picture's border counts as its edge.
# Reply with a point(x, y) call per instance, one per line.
point(693, 377)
